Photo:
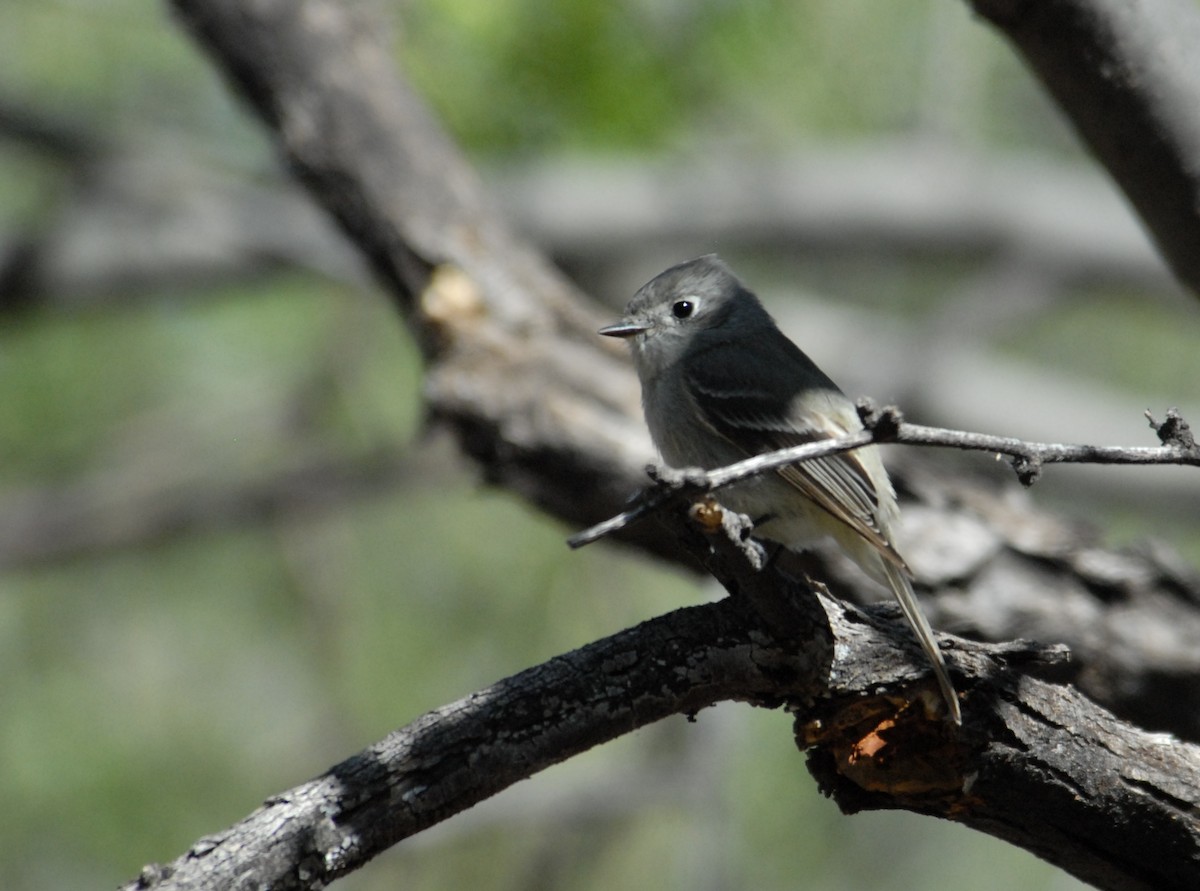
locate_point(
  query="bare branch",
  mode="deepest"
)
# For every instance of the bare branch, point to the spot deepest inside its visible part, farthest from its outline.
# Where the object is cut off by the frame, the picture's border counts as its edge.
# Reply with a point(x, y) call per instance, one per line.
point(884, 426)
point(455, 756)
point(1028, 457)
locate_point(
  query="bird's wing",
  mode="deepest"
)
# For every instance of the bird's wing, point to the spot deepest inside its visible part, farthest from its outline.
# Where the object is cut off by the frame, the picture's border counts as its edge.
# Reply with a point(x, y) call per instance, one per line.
point(756, 410)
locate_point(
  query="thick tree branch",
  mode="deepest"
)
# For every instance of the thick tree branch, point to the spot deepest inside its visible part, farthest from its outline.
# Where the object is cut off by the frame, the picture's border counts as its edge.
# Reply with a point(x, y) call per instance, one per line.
point(458, 755)
point(514, 369)
point(871, 745)
point(1127, 74)
point(1114, 806)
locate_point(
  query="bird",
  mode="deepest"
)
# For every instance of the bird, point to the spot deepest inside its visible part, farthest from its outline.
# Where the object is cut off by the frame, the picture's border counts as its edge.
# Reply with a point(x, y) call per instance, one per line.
point(721, 382)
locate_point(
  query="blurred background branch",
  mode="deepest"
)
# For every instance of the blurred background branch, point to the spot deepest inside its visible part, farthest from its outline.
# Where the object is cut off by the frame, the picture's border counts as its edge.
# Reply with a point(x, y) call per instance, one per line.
point(1127, 78)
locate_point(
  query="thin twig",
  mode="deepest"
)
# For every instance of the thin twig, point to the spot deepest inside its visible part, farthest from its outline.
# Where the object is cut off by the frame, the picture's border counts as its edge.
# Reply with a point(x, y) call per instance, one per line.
point(885, 425)
point(671, 484)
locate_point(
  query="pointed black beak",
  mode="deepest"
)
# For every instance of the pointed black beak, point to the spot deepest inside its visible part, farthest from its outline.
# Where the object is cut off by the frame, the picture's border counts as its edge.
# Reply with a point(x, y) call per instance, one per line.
point(624, 329)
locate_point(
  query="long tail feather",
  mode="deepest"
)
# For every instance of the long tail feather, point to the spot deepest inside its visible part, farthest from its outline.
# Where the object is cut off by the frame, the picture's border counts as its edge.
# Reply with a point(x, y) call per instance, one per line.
point(903, 590)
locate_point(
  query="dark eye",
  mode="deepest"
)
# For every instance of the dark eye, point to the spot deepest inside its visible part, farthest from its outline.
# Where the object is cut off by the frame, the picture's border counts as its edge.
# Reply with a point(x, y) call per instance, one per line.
point(681, 309)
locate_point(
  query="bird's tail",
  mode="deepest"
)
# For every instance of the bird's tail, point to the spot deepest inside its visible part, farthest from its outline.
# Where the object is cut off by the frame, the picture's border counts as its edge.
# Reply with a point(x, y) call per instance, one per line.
point(902, 588)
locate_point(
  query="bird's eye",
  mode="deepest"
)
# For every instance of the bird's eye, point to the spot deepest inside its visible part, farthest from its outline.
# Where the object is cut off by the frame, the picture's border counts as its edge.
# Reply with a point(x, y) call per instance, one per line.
point(681, 309)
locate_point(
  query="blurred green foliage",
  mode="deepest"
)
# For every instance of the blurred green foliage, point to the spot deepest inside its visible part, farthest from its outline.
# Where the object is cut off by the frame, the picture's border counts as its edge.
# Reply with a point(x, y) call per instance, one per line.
point(1121, 325)
point(641, 74)
point(156, 691)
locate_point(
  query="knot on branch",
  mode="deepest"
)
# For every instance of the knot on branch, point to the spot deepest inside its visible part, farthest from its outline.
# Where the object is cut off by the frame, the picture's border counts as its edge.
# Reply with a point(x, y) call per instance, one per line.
point(680, 481)
point(1174, 430)
point(883, 421)
point(1028, 469)
point(1030, 654)
point(728, 529)
point(721, 527)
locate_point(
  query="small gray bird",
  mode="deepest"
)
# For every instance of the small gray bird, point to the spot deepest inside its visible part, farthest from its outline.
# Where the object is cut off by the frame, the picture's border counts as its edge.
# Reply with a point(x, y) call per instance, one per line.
point(720, 383)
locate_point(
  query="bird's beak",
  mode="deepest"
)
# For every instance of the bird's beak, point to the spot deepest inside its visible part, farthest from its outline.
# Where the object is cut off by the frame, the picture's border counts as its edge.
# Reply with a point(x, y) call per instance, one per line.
point(624, 328)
